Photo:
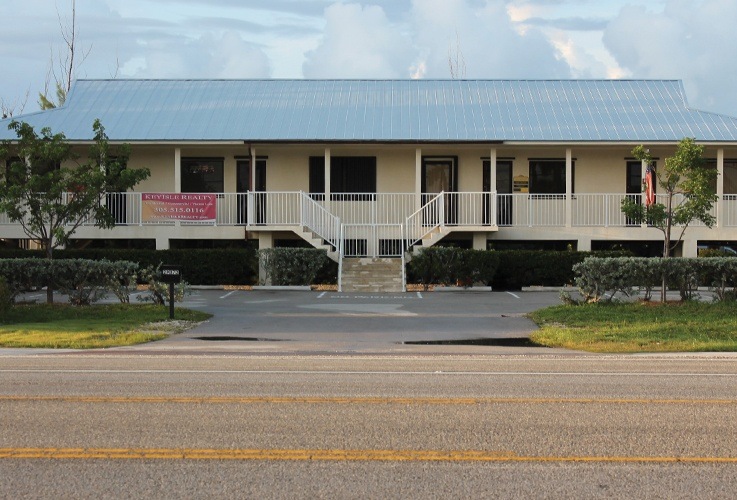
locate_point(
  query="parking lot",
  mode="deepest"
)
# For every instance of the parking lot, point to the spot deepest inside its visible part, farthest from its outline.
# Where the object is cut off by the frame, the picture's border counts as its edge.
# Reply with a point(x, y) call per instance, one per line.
point(289, 321)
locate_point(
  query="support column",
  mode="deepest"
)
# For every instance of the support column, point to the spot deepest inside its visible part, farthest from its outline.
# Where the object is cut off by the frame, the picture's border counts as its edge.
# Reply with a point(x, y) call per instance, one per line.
point(253, 168)
point(162, 243)
point(177, 170)
point(569, 188)
point(720, 187)
point(643, 175)
point(689, 248)
point(265, 241)
point(583, 245)
point(418, 177)
point(492, 171)
point(479, 241)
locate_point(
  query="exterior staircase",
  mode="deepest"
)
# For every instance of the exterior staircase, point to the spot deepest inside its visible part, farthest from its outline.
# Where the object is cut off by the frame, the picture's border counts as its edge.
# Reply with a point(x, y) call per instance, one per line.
point(319, 243)
point(375, 275)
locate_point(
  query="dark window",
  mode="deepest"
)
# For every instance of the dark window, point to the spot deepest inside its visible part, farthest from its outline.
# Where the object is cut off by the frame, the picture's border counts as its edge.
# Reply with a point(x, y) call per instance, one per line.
point(353, 174)
point(548, 176)
point(730, 175)
point(348, 174)
point(317, 176)
point(202, 175)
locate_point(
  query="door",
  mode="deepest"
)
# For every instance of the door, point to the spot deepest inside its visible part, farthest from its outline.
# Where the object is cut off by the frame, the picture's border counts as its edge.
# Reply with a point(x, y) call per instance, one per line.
point(244, 184)
point(634, 185)
point(503, 190)
point(439, 176)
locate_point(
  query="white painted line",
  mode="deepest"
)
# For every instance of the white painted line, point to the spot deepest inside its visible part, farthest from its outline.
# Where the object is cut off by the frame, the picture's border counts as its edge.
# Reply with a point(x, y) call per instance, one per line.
point(419, 295)
point(514, 295)
point(228, 294)
point(321, 295)
point(264, 301)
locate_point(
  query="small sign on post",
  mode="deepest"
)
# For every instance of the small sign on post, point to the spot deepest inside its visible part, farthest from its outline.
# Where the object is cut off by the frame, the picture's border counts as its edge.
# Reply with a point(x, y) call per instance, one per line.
point(171, 275)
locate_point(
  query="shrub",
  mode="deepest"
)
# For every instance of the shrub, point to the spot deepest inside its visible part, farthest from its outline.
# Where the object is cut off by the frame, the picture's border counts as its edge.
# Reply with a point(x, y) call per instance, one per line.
point(292, 266)
point(157, 291)
point(452, 266)
point(201, 267)
point(6, 298)
point(603, 278)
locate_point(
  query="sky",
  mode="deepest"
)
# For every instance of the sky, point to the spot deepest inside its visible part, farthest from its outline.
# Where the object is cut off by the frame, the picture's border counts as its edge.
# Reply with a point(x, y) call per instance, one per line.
point(691, 40)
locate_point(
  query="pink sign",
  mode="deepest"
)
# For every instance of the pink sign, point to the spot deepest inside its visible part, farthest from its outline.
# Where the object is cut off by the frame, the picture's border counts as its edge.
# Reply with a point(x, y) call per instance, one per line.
point(158, 207)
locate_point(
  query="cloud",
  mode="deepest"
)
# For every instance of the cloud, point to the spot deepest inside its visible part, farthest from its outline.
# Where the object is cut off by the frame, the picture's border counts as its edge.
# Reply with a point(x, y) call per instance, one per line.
point(209, 56)
point(569, 23)
point(484, 35)
point(692, 41)
point(359, 42)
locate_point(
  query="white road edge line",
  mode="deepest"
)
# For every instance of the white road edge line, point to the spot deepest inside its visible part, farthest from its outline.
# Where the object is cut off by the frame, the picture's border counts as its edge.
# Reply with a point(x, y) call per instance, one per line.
point(514, 295)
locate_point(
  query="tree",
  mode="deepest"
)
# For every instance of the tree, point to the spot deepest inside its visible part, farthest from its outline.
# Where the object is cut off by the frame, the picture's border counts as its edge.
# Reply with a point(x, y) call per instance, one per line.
point(50, 193)
point(688, 195)
point(63, 67)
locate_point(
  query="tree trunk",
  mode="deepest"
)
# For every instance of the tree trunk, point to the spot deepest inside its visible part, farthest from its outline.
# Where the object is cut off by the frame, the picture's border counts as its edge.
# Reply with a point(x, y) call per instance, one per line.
point(50, 282)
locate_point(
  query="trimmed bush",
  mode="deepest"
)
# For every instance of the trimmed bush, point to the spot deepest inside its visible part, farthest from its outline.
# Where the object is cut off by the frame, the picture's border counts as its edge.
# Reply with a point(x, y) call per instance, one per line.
point(6, 299)
point(84, 280)
point(452, 266)
point(603, 278)
point(199, 267)
point(292, 266)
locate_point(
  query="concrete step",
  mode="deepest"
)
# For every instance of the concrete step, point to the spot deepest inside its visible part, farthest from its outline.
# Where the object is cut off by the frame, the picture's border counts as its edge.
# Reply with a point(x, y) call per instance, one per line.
point(374, 275)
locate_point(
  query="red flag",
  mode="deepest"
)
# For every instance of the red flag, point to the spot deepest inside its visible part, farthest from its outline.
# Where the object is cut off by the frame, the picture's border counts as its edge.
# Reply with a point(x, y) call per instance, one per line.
point(649, 187)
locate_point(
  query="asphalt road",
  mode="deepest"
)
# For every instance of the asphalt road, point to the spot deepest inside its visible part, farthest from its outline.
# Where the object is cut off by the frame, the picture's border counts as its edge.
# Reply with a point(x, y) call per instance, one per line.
point(206, 426)
point(318, 395)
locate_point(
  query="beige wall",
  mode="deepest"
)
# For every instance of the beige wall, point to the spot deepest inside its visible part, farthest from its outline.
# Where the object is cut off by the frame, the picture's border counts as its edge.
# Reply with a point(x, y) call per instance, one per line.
point(599, 169)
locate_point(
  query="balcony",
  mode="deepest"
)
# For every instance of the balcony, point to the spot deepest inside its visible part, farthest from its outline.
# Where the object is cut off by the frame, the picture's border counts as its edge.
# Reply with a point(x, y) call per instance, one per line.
point(287, 208)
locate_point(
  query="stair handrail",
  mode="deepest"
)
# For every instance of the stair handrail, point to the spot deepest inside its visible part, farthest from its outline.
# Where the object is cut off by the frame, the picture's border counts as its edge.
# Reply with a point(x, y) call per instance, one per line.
point(320, 220)
point(417, 226)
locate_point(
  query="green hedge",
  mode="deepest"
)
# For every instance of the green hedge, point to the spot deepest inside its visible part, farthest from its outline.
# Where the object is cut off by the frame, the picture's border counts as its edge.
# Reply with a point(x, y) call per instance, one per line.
point(293, 266)
point(519, 268)
point(604, 278)
point(199, 267)
point(452, 266)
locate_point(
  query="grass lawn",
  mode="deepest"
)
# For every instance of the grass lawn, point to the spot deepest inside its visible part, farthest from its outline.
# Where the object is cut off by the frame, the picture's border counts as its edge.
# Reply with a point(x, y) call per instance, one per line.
point(64, 326)
point(639, 327)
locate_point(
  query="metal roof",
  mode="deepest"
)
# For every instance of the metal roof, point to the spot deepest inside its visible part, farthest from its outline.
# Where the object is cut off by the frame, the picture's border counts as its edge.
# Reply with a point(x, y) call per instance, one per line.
point(382, 110)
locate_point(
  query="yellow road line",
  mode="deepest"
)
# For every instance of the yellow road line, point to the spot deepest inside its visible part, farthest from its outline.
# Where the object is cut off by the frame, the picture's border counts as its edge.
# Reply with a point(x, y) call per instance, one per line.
point(355, 400)
point(330, 455)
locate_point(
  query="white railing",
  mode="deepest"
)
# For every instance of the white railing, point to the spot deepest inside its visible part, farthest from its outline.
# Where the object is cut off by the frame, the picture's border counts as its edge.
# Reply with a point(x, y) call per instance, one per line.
point(600, 209)
point(425, 220)
point(729, 210)
point(532, 210)
point(373, 240)
point(462, 209)
point(320, 221)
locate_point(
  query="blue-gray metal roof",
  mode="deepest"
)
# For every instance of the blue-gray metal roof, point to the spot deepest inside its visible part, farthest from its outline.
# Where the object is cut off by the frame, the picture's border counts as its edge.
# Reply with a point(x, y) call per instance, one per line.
point(382, 110)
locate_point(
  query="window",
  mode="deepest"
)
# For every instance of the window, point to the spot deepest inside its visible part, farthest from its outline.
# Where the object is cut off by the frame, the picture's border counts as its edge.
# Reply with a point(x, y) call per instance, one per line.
point(202, 175)
point(549, 176)
point(348, 174)
point(730, 175)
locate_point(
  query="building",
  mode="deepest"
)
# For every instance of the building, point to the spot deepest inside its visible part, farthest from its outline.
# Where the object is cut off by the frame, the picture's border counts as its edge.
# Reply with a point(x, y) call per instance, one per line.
point(378, 167)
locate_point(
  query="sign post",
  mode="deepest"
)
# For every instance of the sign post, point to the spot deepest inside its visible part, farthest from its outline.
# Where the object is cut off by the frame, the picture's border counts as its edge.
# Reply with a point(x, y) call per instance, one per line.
point(171, 275)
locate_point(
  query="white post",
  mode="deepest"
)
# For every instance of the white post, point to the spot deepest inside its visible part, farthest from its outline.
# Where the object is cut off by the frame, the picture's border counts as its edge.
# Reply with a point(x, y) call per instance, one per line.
point(253, 169)
point(418, 177)
point(492, 171)
point(720, 187)
point(569, 188)
point(177, 170)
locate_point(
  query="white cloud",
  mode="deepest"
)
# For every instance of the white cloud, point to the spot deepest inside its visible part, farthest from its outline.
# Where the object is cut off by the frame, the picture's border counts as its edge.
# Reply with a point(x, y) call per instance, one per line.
point(209, 56)
point(491, 43)
point(692, 41)
point(359, 42)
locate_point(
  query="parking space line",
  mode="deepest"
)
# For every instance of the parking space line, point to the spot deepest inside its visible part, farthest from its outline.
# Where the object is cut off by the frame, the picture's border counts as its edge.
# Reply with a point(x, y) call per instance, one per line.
point(419, 295)
point(228, 294)
point(321, 295)
point(514, 295)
